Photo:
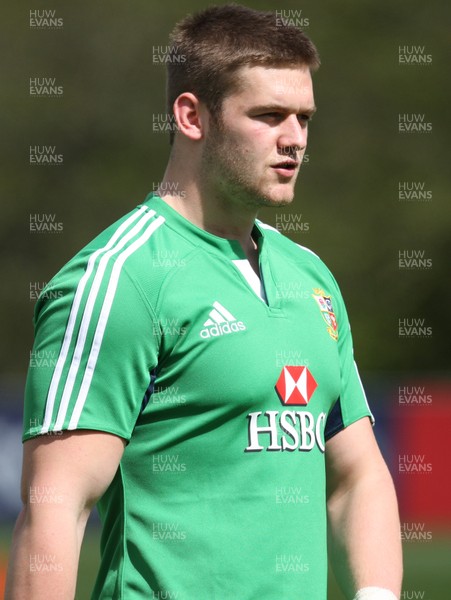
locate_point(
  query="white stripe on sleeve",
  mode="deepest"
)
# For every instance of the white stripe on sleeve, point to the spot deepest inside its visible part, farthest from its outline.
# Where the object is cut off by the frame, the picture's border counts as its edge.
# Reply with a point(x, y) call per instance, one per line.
point(105, 312)
point(73, 317)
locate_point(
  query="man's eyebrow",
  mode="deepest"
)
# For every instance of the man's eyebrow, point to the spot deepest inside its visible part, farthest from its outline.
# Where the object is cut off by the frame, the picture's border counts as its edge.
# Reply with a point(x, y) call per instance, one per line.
point(262, 108)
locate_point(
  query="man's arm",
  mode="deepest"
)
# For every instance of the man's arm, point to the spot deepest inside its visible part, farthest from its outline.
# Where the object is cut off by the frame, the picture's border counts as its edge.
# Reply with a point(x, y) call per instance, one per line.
point(62, 479)
point(364, 529)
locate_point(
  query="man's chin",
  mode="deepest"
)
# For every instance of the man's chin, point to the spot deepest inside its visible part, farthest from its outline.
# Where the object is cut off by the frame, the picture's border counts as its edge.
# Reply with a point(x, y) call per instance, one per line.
point(259, 197)
point(278, 198)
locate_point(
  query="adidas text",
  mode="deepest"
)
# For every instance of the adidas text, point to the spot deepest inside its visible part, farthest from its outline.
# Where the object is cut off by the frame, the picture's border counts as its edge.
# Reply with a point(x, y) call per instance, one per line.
point(222, 329)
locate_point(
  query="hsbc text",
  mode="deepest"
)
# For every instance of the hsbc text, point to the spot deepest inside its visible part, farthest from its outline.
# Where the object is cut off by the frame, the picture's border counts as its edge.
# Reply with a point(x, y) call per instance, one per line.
point(288, 430)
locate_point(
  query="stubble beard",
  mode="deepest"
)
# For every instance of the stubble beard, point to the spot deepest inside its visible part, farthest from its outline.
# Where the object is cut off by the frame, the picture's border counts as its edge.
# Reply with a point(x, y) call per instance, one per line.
point(230, 174)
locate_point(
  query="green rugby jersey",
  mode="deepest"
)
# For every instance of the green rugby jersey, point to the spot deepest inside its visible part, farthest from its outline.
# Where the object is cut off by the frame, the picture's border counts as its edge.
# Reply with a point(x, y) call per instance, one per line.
point(225, 390)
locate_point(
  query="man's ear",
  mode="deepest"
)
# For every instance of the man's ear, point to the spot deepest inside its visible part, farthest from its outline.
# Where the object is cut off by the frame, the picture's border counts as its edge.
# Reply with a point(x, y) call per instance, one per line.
point(190, 115)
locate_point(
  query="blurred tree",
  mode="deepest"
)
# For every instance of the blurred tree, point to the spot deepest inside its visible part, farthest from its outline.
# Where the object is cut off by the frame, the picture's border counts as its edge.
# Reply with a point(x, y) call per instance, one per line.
point(103, 125)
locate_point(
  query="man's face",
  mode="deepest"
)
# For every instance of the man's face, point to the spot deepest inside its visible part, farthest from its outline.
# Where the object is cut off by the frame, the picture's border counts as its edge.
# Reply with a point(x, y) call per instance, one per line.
point(253, 156)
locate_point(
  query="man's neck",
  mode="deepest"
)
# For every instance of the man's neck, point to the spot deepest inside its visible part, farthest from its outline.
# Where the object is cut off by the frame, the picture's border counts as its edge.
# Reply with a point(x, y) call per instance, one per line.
point(228, 224)
point(207, 209)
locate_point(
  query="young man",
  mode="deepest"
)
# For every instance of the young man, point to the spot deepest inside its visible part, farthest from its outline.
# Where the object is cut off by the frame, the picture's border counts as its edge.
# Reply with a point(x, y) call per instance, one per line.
point(215, 460)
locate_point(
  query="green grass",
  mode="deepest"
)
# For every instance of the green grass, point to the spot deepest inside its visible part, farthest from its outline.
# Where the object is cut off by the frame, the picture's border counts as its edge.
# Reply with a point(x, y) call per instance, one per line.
point(427, 567)
point(427, 571)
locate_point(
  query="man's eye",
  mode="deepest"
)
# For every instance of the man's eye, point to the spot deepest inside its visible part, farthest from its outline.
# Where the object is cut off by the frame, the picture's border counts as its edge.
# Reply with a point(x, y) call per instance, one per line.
point(274, 116)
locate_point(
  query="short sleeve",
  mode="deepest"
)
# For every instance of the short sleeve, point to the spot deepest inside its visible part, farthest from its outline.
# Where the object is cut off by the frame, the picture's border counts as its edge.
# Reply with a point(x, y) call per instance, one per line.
point(352, 403)
point(96, 344)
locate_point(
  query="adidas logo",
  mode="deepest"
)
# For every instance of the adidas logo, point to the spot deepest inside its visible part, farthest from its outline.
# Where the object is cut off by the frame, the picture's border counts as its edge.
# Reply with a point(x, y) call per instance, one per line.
point(220, 322)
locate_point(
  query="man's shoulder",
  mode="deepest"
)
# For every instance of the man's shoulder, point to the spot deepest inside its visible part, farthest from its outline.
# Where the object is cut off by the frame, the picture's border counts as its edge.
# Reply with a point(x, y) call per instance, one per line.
point(128, 246)
point(304, 259)
point(289, 248)
point(118, 241)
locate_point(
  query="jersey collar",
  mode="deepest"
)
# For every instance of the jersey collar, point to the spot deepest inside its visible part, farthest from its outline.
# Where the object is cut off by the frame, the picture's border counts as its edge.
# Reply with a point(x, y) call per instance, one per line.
point(228, 248)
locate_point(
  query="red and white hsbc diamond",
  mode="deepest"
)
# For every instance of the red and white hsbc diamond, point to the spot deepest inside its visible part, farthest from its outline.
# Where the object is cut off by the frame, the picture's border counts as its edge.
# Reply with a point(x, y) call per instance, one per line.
point(295, 385)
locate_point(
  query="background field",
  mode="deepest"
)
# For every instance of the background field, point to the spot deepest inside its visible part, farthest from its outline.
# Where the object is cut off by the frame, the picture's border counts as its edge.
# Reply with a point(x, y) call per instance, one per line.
point(427, 568)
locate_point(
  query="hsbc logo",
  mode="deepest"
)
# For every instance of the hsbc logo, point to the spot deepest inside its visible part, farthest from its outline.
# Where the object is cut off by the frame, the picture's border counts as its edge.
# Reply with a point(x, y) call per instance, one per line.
point(295, 386)
point(288, 430)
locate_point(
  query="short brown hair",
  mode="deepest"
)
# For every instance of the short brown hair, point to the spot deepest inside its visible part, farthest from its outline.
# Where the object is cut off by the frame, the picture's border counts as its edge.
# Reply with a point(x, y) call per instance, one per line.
point(207, 48)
